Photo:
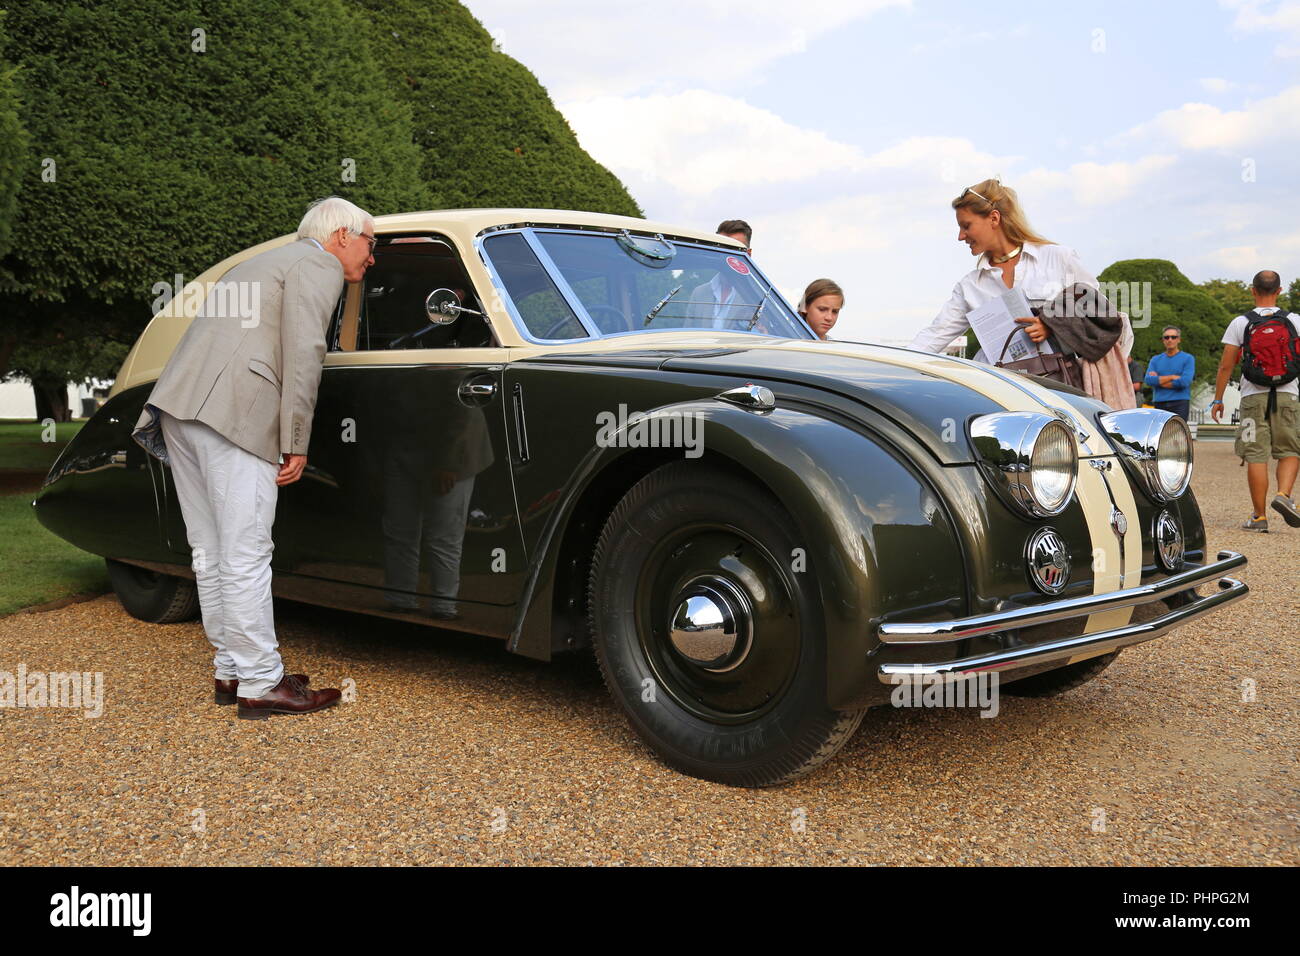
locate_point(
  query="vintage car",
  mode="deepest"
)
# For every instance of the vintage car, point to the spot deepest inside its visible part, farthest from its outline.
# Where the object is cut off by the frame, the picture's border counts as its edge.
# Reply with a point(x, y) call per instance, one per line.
point(567, 430)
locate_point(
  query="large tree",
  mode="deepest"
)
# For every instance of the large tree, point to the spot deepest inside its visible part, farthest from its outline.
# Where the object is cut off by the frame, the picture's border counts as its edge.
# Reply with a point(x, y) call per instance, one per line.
point(1233, 294)
point(1175, 300)
point(1291, 298)
point(13, 157)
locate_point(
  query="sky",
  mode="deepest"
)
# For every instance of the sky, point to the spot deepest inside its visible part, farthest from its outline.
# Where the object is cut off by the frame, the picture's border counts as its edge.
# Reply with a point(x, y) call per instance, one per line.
point(841, 130)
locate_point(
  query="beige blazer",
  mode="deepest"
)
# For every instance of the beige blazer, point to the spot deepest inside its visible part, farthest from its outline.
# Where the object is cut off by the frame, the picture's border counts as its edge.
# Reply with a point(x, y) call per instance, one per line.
point(249, 364)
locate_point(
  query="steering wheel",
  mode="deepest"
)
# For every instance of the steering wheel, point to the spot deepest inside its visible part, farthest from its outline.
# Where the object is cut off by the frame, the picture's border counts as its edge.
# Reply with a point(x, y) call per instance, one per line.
point(622, 325)
point(412, 336)
point(620, 320)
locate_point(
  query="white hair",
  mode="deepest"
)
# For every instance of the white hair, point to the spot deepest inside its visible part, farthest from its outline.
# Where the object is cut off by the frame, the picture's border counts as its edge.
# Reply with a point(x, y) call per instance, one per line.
point(326, 216)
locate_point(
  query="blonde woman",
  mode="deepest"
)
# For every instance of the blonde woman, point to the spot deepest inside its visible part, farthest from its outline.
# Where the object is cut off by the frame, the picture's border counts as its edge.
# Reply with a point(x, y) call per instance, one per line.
point(820, 306)
point(1011, 254)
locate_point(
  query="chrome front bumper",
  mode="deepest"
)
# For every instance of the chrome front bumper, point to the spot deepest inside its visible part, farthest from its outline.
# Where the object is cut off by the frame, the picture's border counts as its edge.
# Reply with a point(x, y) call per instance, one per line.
point(1060, 649)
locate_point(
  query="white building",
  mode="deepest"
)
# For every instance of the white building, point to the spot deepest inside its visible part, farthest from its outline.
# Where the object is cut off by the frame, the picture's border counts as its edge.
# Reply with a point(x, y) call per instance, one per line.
point(18, 401)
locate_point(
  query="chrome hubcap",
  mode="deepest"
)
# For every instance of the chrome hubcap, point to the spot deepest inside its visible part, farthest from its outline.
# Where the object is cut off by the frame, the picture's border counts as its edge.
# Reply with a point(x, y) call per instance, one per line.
point(712, 625)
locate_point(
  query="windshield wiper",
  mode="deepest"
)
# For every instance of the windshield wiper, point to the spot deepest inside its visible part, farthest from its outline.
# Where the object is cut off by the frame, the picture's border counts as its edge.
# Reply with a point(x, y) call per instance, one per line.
point(650, 316)
point(753, 319)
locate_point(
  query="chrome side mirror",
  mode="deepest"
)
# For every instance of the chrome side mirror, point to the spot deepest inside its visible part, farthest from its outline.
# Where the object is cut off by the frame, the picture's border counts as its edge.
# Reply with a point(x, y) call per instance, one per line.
point(443, 307)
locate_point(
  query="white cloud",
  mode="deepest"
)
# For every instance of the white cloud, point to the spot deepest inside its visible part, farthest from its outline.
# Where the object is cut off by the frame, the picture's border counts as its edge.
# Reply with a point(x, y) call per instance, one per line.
point(699, 141)
point(1094, 184)
point(698, 144)
point(1202, 126)
point(588, 48)
point(1279, 17)
point(1217, 84)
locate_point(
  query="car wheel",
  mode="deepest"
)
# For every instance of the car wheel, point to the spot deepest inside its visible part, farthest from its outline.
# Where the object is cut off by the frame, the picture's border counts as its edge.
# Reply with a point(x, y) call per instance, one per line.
point(711, 644)
point(1058, 681)
point(151, 596)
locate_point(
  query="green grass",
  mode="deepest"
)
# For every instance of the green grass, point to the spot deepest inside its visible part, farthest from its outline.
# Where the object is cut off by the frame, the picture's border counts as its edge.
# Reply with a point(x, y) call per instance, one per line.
point(23, 446)
point(37, 566)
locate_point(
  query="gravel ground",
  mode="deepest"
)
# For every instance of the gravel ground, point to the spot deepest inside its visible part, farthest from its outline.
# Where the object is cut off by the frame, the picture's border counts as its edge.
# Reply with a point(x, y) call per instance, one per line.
point(456, 752)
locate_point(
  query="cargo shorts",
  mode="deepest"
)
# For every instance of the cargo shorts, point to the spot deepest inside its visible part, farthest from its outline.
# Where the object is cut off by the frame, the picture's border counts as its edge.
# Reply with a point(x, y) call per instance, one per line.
point(1277, 436)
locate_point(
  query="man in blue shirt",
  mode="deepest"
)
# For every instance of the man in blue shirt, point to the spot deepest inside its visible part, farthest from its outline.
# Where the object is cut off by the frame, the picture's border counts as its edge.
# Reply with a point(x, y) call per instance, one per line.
point(1170, 375)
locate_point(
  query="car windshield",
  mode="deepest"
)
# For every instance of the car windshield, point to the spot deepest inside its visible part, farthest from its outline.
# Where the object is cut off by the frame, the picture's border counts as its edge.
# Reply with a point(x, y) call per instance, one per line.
point(633, 284)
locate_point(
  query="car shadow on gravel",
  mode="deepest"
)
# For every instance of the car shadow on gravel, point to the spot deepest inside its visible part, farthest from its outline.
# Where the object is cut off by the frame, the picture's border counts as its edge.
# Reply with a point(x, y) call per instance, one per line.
point(378, 640)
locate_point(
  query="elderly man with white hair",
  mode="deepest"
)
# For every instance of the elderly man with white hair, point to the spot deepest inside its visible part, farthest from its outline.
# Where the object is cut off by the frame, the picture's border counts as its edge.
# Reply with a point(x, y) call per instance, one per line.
point(231, 414)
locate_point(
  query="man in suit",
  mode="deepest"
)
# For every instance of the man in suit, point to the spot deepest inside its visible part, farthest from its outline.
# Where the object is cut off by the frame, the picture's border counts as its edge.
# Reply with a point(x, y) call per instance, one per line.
point(231, 414)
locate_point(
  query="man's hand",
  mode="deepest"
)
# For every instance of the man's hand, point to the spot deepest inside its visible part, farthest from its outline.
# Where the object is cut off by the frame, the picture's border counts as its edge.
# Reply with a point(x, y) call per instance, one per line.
point(291, 470)
point(1216, 410)
point(1166, 379)
point(444, 481)
point(1034, 328)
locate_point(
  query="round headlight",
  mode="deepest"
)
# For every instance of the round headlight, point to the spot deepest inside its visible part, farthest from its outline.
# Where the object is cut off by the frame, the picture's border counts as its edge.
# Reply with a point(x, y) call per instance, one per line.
point(1031, 460)
point(1155, 446)
point(1174, 457)
point(1053, 468)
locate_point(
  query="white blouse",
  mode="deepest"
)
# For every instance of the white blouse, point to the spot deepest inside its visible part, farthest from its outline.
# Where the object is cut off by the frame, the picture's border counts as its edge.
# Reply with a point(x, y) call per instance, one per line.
point(1042, 271)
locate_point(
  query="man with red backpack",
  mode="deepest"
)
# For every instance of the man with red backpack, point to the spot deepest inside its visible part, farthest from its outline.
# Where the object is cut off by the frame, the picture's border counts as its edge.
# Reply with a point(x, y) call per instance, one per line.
point(1266, 341)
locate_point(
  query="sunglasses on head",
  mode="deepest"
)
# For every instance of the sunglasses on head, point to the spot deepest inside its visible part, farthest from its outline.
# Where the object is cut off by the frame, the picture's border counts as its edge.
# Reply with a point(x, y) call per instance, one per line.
point(972, 192)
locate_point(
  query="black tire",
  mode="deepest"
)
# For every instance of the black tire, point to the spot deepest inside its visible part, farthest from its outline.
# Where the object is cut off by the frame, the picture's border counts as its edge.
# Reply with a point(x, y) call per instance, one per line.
point(151, 596)
point(763, 719)
point(1058, 681)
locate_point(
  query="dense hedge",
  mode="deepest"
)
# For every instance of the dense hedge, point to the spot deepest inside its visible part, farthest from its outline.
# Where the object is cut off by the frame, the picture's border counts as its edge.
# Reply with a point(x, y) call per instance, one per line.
point(170, 149)
point(490, 134)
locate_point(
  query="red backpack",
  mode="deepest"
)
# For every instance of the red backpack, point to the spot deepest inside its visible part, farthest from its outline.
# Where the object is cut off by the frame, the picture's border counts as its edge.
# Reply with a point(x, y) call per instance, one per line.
point(1270, 352)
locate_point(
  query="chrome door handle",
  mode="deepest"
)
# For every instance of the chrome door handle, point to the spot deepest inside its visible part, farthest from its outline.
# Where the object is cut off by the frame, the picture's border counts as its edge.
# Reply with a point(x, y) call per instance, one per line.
point(478, 389)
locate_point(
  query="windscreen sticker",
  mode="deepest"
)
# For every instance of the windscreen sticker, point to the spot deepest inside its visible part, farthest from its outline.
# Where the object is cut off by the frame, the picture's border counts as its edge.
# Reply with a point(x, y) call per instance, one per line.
point(738, 265)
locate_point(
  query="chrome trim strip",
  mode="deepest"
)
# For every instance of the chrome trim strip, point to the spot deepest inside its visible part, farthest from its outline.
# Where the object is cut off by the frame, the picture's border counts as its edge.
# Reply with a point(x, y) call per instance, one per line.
point(1230, 591)
point(944, 632)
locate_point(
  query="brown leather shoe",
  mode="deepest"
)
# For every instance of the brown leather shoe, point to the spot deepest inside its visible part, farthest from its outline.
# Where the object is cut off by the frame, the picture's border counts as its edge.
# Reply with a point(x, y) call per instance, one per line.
point(223, 691)
point(290, 696)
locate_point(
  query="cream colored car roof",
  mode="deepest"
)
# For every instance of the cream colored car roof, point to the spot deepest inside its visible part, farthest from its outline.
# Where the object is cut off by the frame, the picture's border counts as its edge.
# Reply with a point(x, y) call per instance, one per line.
point(147, 357)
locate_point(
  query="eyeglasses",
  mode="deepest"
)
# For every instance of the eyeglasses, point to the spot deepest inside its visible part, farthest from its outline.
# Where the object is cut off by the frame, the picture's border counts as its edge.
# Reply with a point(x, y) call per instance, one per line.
point(1169, 336)
point(370, 239)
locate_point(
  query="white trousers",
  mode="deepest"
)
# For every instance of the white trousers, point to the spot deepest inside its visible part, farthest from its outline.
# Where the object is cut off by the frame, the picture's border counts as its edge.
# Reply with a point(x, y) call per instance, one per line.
point(227, 498)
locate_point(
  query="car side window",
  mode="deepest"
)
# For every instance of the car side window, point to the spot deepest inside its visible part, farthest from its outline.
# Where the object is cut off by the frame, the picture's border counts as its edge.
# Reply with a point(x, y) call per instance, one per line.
point(537, 300)
point(387, 310)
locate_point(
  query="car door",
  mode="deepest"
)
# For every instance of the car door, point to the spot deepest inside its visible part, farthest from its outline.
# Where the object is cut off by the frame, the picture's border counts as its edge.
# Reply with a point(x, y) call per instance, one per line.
point(407, 503)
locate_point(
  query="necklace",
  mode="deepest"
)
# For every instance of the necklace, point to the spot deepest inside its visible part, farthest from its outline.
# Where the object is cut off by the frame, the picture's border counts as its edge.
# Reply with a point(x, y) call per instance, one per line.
point(998, 260)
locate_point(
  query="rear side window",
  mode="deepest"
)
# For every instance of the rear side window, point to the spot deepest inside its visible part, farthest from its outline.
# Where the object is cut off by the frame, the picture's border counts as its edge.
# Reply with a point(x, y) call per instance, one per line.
point(539, 303)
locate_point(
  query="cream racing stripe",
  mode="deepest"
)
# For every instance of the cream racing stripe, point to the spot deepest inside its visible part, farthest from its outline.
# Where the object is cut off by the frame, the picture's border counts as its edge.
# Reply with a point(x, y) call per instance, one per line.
point(1091, 489)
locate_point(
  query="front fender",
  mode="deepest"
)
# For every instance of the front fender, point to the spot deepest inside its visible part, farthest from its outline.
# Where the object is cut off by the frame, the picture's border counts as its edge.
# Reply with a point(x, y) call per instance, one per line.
point(878, 537)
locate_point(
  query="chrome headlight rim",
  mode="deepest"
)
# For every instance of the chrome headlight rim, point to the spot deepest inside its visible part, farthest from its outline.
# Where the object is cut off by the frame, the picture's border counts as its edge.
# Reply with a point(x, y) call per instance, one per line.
point(1005, 444)
point(1137, 435)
